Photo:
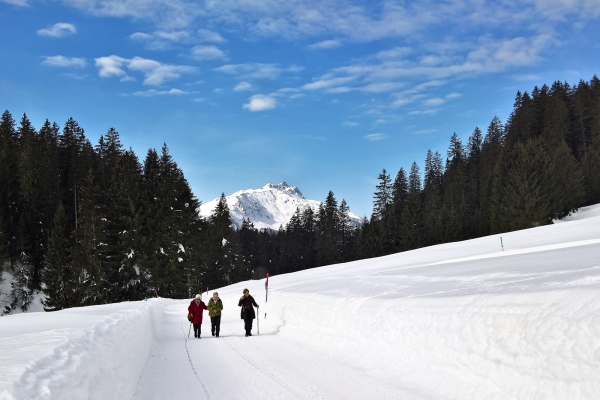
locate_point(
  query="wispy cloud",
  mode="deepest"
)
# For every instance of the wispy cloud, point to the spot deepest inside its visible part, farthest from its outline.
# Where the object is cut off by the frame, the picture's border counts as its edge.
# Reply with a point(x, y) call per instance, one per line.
point(242, 87)
point(348, 123)
point(435, 102)
point(326, 44)
point(61, 61)
point(375, 136)
point(153, 92)
point(20, 3)
point(205, 35)
point(451, 96)
point(58, 30)
point(324, 83)
point(207, 52)
point(257, 70)
point(155, 73)
point(526, 77)
point(260, 102)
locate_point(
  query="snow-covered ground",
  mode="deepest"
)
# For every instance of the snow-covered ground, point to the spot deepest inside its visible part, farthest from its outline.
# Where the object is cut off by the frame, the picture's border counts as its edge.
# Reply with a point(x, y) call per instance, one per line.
point(461, 320)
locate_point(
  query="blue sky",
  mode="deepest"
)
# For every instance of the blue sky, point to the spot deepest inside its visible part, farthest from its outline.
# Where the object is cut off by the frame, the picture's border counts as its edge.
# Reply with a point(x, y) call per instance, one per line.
point(321, 94)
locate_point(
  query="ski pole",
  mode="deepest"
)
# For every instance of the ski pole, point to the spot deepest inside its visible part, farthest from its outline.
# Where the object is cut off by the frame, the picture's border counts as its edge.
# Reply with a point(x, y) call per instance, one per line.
point(189, 330)
point(257, 322)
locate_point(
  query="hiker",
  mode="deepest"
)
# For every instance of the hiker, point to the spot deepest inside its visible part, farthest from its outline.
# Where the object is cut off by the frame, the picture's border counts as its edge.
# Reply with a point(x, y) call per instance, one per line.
point(195, 312)
point(215, 306)
point(246, 302)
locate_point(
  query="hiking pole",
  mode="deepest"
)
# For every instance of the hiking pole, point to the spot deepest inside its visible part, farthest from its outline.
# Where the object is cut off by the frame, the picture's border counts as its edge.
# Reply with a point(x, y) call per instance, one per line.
point(189, 330)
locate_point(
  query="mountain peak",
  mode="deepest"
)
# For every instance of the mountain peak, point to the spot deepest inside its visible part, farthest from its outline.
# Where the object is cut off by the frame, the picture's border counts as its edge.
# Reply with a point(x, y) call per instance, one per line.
point(267, 208)
point(284, 187)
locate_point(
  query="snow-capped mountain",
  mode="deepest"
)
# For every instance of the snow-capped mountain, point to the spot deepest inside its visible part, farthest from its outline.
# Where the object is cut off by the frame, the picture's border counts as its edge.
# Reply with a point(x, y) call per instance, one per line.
point(268, 207)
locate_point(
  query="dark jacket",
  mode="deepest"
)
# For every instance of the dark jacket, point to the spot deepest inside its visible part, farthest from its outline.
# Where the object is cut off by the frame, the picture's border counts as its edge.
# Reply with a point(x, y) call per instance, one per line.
point(196, 311)
point(247, 310)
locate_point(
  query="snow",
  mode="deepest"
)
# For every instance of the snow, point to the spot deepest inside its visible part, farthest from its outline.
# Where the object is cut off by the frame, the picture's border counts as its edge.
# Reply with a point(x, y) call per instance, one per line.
point(462, 320)
point(268, 208)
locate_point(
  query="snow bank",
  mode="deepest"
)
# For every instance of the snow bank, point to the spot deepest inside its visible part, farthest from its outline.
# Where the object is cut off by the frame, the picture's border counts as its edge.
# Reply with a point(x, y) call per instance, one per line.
point(100, 362)
point(524, 346)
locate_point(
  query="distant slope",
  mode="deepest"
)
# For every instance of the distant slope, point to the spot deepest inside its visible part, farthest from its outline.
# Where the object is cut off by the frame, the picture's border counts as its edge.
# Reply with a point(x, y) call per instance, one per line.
point(268, 207)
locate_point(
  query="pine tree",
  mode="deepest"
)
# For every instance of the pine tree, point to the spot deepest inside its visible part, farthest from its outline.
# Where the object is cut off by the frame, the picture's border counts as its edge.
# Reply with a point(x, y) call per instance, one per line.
point(382, 198)
point(328, 222)
point(89, 251)
point(411, 227)
point(433, 197)
point(59, 287)
point(21, 287)
point(491, 151)
point(346, 233)
point(10, 185)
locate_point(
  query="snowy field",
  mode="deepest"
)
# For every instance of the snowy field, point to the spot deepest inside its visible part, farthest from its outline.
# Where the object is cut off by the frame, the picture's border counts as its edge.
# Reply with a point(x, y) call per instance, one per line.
point(462, 320)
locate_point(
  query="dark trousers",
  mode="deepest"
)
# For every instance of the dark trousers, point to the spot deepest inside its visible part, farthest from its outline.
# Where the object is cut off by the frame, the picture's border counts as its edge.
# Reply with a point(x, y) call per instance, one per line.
point(197, 329)
point(248, 325)
point(215, 324)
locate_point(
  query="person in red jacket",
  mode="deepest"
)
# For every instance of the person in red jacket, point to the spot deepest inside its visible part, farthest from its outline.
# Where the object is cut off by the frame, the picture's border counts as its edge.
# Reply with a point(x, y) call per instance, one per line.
point(195, 310)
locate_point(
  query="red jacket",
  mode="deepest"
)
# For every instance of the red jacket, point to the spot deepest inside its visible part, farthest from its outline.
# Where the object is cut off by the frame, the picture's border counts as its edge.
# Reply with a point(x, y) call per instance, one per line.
point(196, 311)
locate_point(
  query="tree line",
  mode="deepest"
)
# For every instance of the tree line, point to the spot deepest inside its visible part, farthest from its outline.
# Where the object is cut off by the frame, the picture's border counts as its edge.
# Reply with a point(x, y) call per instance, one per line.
point(92, 224)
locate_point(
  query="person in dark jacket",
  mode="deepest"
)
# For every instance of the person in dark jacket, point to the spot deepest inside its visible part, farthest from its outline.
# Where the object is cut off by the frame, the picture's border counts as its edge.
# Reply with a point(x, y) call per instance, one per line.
point(246, 302)
point(195, 310)
point(215, 306)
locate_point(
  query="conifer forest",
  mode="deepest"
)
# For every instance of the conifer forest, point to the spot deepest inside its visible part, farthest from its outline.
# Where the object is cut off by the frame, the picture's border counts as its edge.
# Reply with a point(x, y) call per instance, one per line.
point(93, 223)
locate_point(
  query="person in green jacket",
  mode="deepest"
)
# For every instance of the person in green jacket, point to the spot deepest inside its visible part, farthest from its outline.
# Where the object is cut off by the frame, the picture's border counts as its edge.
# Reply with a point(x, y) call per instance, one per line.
point(215, 306)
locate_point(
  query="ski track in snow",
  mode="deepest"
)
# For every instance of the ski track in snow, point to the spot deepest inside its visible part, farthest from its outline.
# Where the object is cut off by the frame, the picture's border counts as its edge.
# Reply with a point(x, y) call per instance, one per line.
point(457, 321)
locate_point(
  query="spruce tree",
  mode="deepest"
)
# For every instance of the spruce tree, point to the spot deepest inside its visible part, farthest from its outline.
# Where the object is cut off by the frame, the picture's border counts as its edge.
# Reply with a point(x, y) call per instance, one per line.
point(90, 258)
point(382, 198)
point(59, 286)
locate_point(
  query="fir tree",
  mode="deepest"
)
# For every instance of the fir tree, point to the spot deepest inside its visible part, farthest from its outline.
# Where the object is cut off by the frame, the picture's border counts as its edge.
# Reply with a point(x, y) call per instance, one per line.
point(89, 251)
point(382, 198)
point(58, 281)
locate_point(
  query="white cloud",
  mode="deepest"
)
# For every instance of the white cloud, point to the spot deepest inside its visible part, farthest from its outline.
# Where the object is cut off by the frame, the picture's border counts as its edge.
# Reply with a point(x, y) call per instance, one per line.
point(20, 3)
point(155, 73)
point(326, 44)
point(242, 87)
point(363, 22)
point(382, 87)
point(526, 77)
point(340, 89)
point(327, 83)
point(61, 61)
point(209, 36)
point(397, 52)
point(424, 112)
point(260, 102)
point(207, 52)
point(453, 96)
point(153, 92)
point(375, 136)
point(257, 70)
point(60, 29)
point(348, 123)
point(160, 40)
point(434, 102)
point(296, 95)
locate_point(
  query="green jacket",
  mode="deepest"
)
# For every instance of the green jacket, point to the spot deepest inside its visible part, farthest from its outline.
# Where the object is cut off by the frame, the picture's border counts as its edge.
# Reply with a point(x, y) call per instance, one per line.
point(215, 307)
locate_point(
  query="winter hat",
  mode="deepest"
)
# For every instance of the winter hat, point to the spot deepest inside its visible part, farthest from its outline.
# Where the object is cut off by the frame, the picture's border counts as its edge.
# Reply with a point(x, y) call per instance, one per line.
point(198, 297)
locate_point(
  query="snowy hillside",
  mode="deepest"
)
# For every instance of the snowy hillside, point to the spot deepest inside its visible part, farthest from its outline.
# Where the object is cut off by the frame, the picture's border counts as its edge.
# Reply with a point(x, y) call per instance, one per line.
point(463, 320)
point(268, 207)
